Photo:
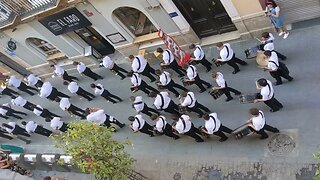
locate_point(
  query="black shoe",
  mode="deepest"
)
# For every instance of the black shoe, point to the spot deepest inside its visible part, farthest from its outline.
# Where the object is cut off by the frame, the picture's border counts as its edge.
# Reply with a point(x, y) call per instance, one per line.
point(153, 80)
point(208, 70)
point(201, 91)
point(223, 139)
point(244, 63)
point(273, 110)
point(276, 131)
point(284, 58)
point(122, 78)
point(229, 99)
point(238, 93)
point(208, 87)
point(175, 138)
point(28, 142)
point(278, 83)
point(199, 140)
point(151, 135)
point(290, 79)
point(264, 137)
point(235, 71)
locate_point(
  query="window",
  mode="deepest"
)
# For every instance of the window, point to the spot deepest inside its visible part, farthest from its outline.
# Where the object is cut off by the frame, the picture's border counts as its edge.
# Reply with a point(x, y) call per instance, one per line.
point(42, 46)
point(135, 21)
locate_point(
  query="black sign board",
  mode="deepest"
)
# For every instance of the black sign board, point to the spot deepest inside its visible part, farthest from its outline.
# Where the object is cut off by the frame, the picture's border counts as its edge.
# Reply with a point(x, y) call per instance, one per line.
point(65, 21)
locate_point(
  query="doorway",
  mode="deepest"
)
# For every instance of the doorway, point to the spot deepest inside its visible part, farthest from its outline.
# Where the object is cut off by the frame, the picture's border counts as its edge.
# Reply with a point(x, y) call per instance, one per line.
point(13, 65)
point(206, 17)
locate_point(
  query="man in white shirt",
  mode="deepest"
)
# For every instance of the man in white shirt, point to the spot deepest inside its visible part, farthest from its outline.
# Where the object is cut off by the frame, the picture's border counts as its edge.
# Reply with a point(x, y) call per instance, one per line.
point(189, 101)
point(59, 71)
point(34, 80)
point(185, 126)
point(139, 124)
point(257, 123)
point(140, 65)
point(214, 126)
point(222, 86)
point(13, 81)
point(50, 92)
point(32, 127)
point(163, 127)
point(12, 128)
point(83, 69)
point(275, 67)
point(74, 88)
point(142, 107)
point(19, 101)
point(109, 64)
point(268, 44)
point(6, 110)
point(267, 95)
point(57, 124)
point(227, 55)
point(164, 103)
point(9, 92)
point(199, 57)
point(166, 82)
point(40, 111)
point(138, 83)
point(98, 116)
point(193, 77)
point(65, 105)
point(169, 61)
point(100, 90)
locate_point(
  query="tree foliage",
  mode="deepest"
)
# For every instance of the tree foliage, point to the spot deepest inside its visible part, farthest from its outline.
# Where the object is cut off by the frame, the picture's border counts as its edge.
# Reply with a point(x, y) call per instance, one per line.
point(93, 150)
point(317, 175)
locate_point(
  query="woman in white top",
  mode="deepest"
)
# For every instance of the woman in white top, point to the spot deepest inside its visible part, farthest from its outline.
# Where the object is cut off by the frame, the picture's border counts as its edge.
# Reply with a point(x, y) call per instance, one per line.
point(276, 17)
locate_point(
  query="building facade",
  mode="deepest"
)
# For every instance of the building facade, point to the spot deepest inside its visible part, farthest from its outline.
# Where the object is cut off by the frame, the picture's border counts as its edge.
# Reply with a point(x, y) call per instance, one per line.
point(88, 30)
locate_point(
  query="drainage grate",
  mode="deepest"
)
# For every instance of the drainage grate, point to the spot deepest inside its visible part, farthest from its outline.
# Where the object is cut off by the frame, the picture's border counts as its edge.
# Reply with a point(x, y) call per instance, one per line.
point(281, 145)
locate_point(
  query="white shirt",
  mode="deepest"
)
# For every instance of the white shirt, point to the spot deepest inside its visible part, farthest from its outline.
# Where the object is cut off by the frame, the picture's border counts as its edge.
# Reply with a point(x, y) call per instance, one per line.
point(64, 104)
point(81, 67)
point(220, 80)
point(270, 45)
point(107, 62)
point(3, 111)
point(31, 126)
point(56, 123)
point(13, 81)
point(36, 111)
point(224, 53)
point(165, 78)
point(161, 123)
point(198, 53)
point(12, 124)
point(213, 124)
point(73, 87)
point(19, 101)
point(138, 104)
point(267, 91)
point(167, 57)
point(273, 58)
point(58, 70)
point(135, 124)
point(45, 90)
point(135, 64)
point(97, 90)
point(98, 117)
point(183, 127)
point(191, 72)
point(259, 122)
point(162, 100)
point(189, 101)
point(32, 79)
point(135, 79)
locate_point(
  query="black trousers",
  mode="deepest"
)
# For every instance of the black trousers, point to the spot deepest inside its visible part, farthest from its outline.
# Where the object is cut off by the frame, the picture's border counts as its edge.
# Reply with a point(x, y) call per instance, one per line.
point(55, 93)
point(168, 131)
point(39, 84)
point(28, 106)
point(146, 88)
point(147, 110)
point(194, 133)
point(85, 94)
point(267, 128)
point(3, 135)
point(199, 82)
point(174, 66)
point(148, 70)
point(147, 129)
point(43, 131)
point(273, 103)
point(20, 131)
point(172, 85)
point(23, 87)
point(233, 62)
point(107, 122)
point(281, 56)
point(66, 77)
point(64, 127)
point(221, 130)
point(172, 108)
point(278, 74)
point(110, 97)
point(46, 113)
point(118, 70)
point(227, 90)
point(198, 108)
point(10, 92)
point(12, 112)
point(77, 111)
point(88, 72)
point(204, 62)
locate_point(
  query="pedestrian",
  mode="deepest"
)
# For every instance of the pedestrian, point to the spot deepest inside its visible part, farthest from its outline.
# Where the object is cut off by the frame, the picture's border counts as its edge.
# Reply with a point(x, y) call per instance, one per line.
point(139, 124)
point(140, 65)
point(98, 116)
point(188, 100)
point(276, 17)
point(185, 126)
point(12, 127)
point(222, 86)
point(142, 107)
point(19, 101)
point(170, 62)
point(163, 102)
point(59, 71)
point(267, 95)
point(42, 112)
point(193, 77)
point(65, 105)
point(6, 111)
point(13, 81)
point(163, 127)
point(214, 126)
point(32, 127)
point(109, 64)
point(275, 67)
point(4, 134)
point(83, 69)
point(257, 123)
point(57, 124)
point(50, 92)
point(139, 84)
point(100, 90)
point(34, 80)
point(227, 55)
point(74, 88)
point(9, 92)
point(199, 57)
point(166, 82)
point(268, 44)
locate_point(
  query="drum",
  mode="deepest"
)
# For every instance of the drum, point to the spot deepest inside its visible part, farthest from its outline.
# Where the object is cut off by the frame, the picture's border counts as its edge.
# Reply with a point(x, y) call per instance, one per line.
point(249, 98)
point(186, 83)
point(182, 109)
point(242, 131)
point(160, 87)
point(261, 60)
point(134, 89)
point(216, 93)
point(252, 52)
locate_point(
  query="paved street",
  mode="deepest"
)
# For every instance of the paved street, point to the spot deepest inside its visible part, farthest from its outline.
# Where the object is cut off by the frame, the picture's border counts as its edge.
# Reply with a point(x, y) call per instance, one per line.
point(250, 158)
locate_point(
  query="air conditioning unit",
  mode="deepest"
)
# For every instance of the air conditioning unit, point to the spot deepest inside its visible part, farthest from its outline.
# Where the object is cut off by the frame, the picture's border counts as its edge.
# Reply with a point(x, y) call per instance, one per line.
point(153, 3)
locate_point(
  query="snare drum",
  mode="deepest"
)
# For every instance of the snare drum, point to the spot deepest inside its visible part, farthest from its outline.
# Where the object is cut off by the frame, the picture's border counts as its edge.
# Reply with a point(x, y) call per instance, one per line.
point(242, 131)
point(249, 98)
point(216, 93)
point(134, 89)
point(252, 52)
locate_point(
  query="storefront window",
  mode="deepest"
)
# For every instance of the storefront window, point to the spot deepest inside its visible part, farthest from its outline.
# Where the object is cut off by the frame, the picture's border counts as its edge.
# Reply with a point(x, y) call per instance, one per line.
point(43, 46)
point(135, 21)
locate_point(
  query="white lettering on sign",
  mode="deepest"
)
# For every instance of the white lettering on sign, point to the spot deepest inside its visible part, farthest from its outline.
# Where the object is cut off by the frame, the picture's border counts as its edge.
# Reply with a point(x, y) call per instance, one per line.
point(68, 20)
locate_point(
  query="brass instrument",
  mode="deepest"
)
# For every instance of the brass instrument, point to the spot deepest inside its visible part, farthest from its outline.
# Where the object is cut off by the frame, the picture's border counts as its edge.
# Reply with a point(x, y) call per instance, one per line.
point(216, 93)
point(134, 89)
point(242, 131)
